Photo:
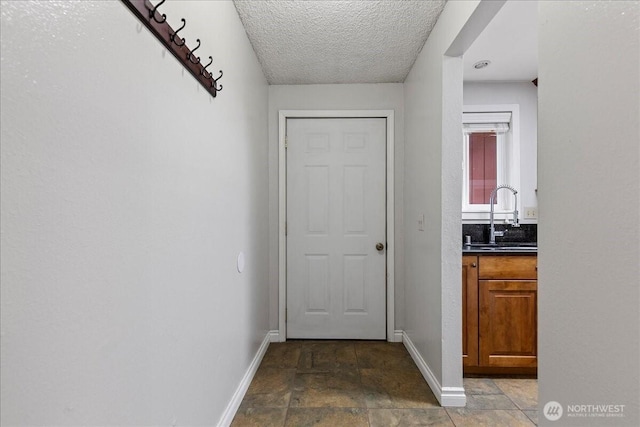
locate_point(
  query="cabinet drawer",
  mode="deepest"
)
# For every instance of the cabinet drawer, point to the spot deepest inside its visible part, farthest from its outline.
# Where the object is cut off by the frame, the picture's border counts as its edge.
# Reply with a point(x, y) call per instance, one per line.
point(508, 267)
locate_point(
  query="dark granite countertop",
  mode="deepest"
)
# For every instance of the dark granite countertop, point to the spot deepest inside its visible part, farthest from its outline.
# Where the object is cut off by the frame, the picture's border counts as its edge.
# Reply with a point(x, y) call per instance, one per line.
point(501, 249)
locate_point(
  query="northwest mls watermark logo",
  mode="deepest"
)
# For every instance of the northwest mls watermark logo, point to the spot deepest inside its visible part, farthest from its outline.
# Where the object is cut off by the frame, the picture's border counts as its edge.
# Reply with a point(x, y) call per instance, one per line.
point(553, 411)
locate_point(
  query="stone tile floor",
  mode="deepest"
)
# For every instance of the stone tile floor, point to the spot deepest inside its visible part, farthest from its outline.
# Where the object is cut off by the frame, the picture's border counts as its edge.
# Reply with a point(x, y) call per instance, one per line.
point(371, 384)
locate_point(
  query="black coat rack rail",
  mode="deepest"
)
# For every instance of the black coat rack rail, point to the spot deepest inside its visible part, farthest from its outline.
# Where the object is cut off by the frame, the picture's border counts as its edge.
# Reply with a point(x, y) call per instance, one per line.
point(157, 23)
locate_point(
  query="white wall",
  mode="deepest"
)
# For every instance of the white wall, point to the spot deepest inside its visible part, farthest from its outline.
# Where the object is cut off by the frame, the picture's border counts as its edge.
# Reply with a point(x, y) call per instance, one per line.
point(387, 96)
point(589, 193)
point(127, 194)
point(433, 154)
point(524, 94)
point(423, 153)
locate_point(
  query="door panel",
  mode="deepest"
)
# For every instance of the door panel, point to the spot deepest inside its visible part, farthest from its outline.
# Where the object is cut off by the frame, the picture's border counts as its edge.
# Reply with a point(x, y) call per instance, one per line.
point(336, 213)
point(317, 281)
point(317, 206)
point(470, 310)
point(508, 323)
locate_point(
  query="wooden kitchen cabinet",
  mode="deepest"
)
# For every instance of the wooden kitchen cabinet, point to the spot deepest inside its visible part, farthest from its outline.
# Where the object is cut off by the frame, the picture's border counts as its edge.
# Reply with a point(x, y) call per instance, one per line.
point(470, 310)
point(499, 313)
point(498, 267)
point(508, 323)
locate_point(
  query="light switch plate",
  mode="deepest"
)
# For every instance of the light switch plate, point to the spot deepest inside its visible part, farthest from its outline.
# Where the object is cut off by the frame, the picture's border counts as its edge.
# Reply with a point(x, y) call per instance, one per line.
point(421, 222)
point(531, 213)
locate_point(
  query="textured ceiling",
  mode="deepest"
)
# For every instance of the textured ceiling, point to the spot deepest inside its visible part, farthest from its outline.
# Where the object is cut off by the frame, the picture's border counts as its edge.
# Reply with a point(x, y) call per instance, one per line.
point(339, 41)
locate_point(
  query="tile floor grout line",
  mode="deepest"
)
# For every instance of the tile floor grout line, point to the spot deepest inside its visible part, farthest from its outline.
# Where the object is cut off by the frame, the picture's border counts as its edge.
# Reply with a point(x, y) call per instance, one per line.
point(446, 410)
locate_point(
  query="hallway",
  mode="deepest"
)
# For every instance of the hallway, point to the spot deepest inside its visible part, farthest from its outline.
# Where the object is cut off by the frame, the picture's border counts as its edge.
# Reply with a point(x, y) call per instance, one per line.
point(370, 383)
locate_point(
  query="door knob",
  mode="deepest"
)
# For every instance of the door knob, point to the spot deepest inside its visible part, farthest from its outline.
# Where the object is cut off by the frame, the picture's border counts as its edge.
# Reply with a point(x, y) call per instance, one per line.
point(379, 246)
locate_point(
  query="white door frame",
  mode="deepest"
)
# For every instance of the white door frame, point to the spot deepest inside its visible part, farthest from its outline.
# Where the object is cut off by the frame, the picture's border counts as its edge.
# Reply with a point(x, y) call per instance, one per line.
point(283, 115)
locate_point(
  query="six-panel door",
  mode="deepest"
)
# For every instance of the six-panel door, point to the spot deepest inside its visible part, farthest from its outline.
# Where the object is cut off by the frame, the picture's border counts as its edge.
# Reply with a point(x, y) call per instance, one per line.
point(336, 215)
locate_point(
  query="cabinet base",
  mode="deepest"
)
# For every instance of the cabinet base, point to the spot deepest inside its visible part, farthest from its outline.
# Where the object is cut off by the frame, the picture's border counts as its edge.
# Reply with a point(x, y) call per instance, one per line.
point(478, 370)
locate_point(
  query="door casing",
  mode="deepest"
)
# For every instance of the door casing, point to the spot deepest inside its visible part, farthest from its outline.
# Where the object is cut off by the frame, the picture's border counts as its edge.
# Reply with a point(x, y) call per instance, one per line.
point(283, 115)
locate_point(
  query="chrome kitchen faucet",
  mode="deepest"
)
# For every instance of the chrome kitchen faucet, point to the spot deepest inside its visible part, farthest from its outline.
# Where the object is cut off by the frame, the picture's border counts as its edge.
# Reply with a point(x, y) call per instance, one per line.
point(492, 199)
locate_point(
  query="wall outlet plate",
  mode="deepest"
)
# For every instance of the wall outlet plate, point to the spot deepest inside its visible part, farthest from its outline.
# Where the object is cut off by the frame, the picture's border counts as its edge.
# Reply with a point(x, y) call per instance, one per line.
point(531, 213)
point(421, 222)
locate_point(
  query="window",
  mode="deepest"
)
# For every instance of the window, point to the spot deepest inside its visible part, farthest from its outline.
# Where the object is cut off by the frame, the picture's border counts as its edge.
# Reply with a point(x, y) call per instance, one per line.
point(491, 158)
point(483, 172)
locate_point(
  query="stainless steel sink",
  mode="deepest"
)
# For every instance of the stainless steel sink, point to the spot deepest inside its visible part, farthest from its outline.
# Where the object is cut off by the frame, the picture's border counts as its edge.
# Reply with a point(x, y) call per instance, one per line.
point(509, 248)
point(504, 246)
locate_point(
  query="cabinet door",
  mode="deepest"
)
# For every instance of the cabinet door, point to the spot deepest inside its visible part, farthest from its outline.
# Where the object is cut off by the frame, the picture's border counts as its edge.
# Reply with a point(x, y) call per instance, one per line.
point(470, 310)
point(508, 323)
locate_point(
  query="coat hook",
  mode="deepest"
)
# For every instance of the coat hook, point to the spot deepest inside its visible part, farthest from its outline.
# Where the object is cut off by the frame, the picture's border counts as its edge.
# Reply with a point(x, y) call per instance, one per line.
point(190, 55)
point(152, 13)
point(204, 71)
point(173, 36)
point(214, 83)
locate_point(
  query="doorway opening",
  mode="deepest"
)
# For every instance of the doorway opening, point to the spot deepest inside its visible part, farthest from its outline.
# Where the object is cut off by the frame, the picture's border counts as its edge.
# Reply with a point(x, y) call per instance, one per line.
point(387, 117)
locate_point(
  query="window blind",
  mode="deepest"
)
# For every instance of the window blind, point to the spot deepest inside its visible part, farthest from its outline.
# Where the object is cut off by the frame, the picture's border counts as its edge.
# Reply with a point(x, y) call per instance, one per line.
point(486, 122)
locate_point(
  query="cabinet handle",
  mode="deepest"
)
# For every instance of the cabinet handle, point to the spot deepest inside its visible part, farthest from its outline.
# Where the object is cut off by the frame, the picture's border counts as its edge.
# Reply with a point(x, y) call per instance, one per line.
point(473, 264)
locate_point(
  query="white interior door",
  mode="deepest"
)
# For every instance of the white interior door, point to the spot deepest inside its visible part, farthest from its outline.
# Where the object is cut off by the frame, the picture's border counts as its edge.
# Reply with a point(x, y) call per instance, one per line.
point(336, 174)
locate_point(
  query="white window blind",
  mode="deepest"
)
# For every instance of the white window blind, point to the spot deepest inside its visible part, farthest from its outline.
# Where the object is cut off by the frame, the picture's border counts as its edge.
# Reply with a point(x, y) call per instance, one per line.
point(497, 122)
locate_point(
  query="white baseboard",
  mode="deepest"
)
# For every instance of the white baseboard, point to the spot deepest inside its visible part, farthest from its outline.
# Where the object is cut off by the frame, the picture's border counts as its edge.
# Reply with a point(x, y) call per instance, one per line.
point(447, 396)
point(397, 336)
point(275, 336)
point(453, 397)
point(236, 400)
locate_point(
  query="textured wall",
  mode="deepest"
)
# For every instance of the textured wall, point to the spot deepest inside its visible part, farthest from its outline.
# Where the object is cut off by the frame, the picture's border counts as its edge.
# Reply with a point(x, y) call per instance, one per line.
point(589, 193)
point(433, 110)
point(127, 194)
point(336, 97)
